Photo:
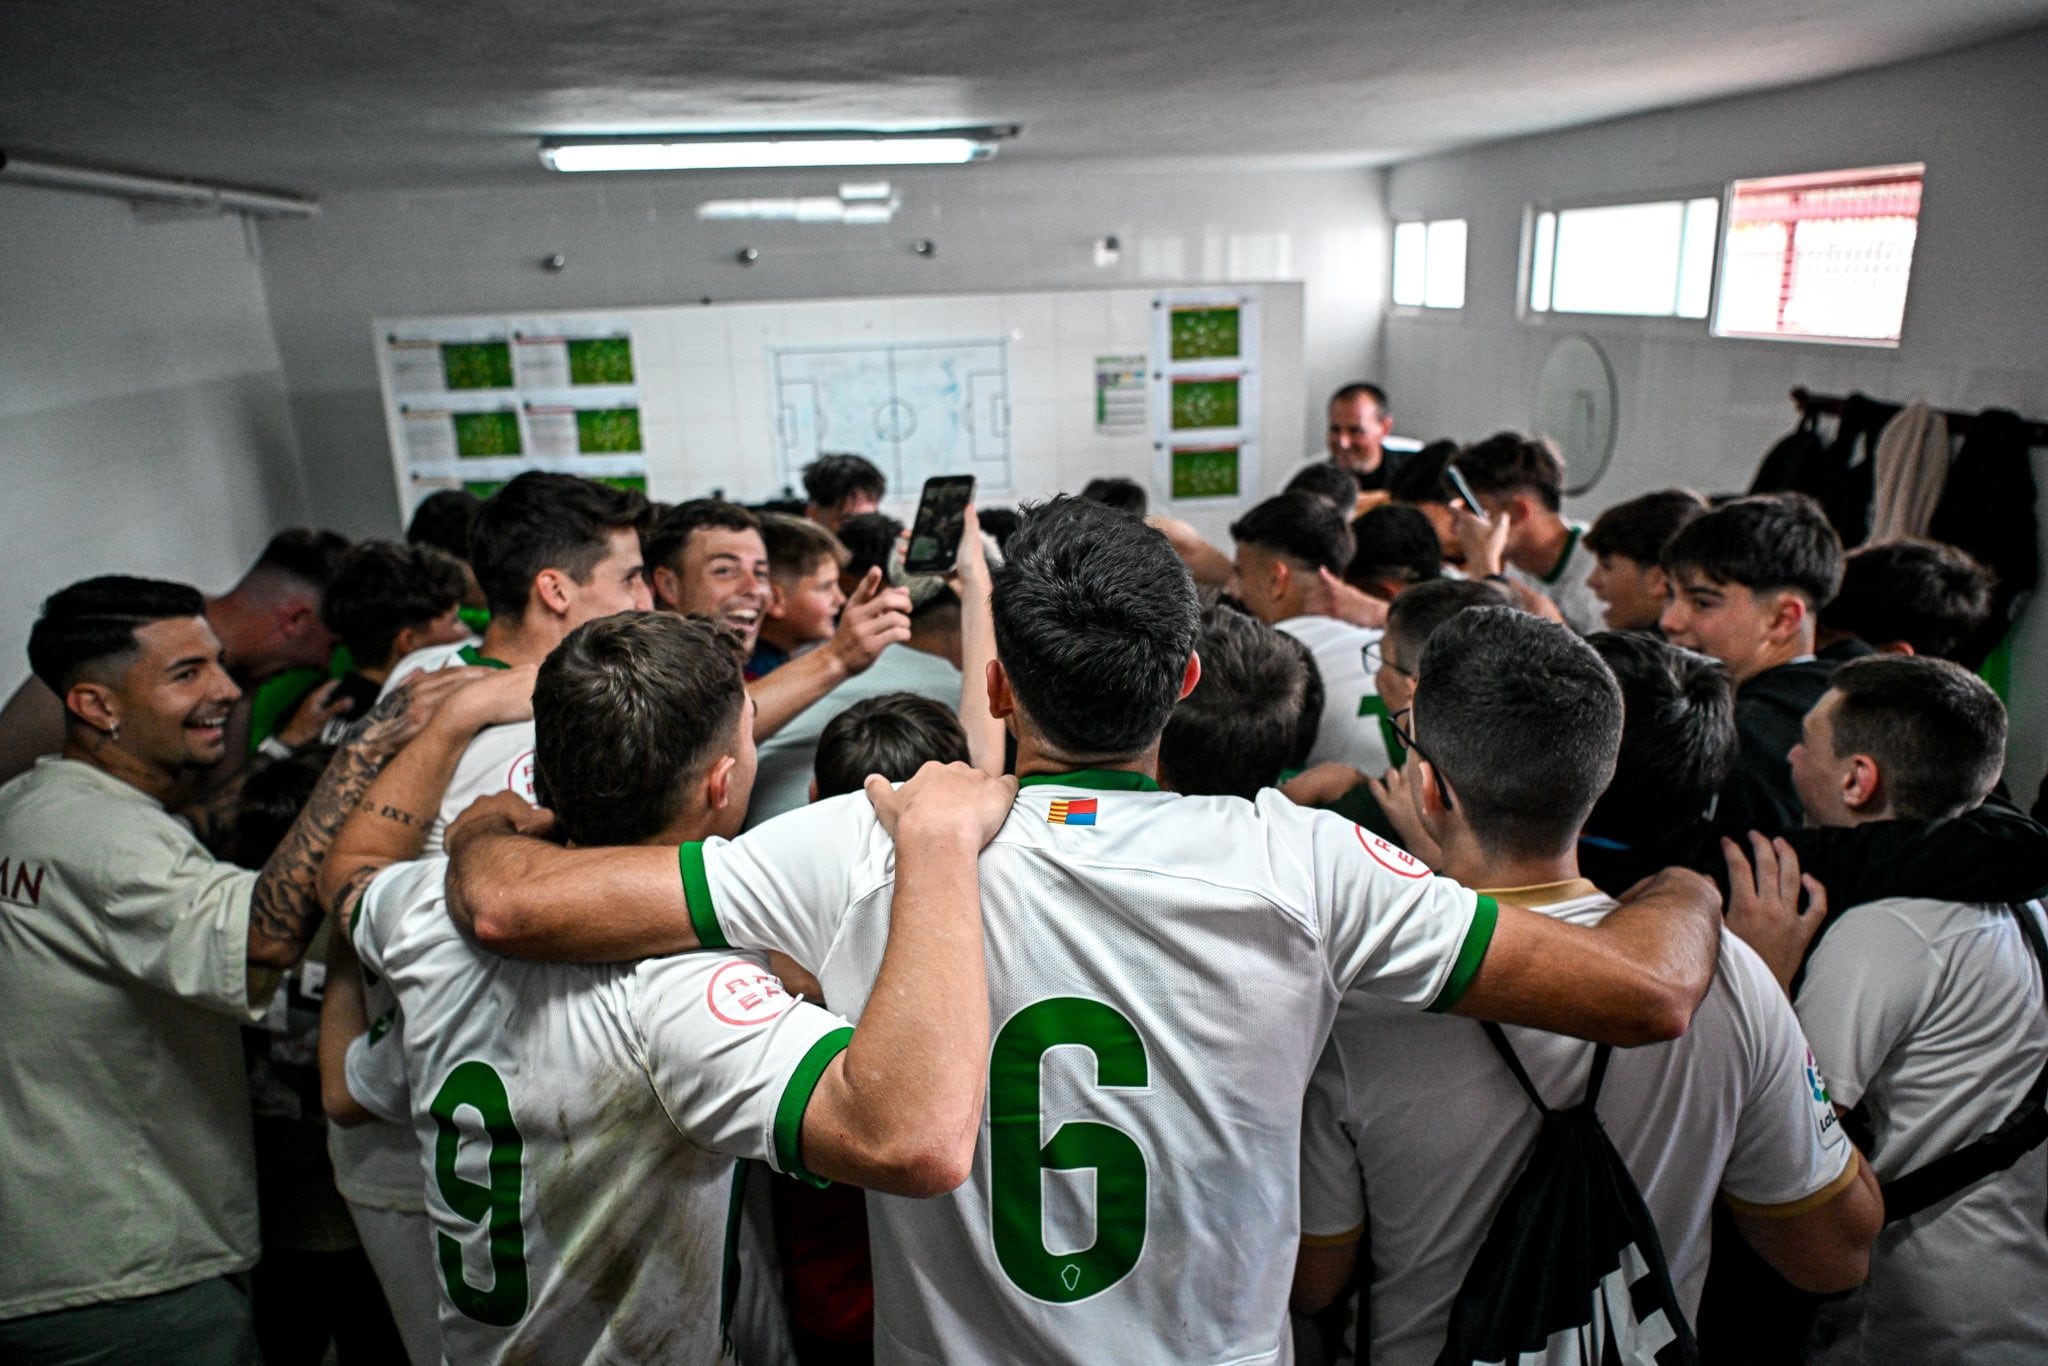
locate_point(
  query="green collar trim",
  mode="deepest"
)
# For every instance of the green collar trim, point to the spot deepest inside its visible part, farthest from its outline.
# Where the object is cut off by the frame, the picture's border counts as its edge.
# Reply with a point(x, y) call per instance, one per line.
point(1571, 543)
point(1100, 779)
point(469, 654)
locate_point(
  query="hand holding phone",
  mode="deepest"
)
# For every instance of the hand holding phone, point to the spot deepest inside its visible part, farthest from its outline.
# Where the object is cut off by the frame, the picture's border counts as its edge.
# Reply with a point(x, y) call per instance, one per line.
point(941, 517)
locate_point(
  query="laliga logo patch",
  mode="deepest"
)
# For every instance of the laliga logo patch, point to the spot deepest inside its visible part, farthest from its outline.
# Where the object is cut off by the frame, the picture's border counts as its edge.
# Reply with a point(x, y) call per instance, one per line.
point(1826, 1121)
point(1391, 857)
point(743, 994)
point(519, 778)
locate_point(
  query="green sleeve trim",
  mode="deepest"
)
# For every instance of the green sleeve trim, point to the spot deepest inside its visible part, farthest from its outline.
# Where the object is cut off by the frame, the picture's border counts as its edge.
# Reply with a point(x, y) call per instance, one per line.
point(796, 1098)
point(1470, 955)
point(697, 897)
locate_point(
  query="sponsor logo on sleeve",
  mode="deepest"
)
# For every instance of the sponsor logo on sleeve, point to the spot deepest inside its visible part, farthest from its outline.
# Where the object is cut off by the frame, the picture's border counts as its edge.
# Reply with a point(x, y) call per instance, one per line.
point(1391, 857)
point(1827, 1124)
point(743, 994)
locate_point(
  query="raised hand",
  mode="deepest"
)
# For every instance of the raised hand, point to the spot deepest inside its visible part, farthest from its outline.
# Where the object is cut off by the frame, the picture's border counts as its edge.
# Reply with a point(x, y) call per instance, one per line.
point(1763, 903)
point(873, 619)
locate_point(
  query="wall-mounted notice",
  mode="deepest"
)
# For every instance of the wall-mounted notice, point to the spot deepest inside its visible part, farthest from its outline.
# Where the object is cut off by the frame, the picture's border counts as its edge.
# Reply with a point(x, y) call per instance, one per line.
point(1120, 393)
point(476, 401)
point(1205, 392)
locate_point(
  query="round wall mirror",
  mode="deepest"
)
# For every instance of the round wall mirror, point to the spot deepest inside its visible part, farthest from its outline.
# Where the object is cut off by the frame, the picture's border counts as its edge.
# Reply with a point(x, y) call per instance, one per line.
point(1575, 407)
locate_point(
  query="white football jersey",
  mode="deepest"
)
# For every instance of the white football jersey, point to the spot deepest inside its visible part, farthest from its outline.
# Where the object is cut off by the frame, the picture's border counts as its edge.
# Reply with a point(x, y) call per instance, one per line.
point(579, 1128)
point(499, 759)
point(1349, 732)
point(1567, 584)
point(1162, 972)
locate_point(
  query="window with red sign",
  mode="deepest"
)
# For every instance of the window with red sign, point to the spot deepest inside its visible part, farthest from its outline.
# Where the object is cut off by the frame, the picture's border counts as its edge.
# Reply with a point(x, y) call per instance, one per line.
point(1819, 257)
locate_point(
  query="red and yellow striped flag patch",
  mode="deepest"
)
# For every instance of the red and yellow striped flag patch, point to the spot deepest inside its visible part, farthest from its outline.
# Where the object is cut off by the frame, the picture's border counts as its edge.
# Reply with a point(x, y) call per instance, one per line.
point(1071, 811)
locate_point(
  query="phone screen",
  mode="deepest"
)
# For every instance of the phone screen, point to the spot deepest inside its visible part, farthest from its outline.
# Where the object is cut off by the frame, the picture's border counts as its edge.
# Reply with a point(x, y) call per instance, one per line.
point(941, 516)
point(1464, 491)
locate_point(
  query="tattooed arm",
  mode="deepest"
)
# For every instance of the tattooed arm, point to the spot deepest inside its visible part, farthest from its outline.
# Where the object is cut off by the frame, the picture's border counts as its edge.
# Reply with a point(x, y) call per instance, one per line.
point(284, 910)
point(390, 824)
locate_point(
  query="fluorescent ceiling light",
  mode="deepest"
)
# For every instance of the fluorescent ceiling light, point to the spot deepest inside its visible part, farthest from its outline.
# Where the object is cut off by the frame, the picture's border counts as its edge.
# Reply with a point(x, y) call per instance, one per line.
point(936, 147)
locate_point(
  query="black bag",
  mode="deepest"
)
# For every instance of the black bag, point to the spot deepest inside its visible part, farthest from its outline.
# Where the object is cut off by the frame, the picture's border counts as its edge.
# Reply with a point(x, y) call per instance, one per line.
point(1572, 1269)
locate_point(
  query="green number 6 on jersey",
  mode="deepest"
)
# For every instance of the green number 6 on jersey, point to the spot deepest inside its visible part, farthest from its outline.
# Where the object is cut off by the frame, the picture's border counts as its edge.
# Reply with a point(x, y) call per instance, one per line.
point(1017, 1162)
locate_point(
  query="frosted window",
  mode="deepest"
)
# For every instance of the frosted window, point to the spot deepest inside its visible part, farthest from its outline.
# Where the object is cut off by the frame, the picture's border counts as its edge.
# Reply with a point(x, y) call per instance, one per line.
point(1429, 264)
point(1411, 278)
point(1823, 257)
point(1650, 260)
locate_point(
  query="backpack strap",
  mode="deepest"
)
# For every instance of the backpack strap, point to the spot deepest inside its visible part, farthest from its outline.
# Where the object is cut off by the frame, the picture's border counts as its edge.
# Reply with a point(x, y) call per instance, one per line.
point(1507, 1055)
point(2024, 1130)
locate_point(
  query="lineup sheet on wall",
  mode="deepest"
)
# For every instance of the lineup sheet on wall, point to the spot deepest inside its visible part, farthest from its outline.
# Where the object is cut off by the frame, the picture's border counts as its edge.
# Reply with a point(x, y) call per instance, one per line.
point(1205, 393)
point(916, 409)
point(474, 403)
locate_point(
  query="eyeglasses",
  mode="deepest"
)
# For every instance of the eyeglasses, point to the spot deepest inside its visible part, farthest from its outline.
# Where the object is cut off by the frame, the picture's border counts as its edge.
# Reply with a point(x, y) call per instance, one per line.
point(1374, 653)
point(1407, 734)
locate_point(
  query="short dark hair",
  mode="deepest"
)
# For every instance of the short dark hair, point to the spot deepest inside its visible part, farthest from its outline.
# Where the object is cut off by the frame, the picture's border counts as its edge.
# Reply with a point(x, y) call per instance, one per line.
point(445, 521)
point(1931, 595)
point(796, 546)
point(268, 805)
point(1640, 528)
point(303, 553)
point(670, 534)
point(1252, 716)
point(1329, 481)
point(832, 479)
point(1359, 387)
point(1514, 462)
point(1125, 495)
point(1394, 544)
point(869, 538)
point(1523, 722)
point(381, 588)
point(1677, 738)
point(1764, 543)
point(894, 735)
point(1000, 523)
point(1936, 730)
point(1300, 526)
point(546, 521)
point(1095, 618)
point(1414, 616)
point(627, 709)
point(1421, 478)
point(92, 624)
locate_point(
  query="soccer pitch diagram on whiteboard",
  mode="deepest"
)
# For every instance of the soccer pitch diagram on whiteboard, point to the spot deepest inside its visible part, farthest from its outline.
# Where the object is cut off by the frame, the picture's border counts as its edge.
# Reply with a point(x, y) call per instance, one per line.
point(915, 409)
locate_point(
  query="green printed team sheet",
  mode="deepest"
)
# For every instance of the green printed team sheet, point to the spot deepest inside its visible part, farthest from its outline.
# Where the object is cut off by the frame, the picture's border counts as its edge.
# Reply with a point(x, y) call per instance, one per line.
point(477, 365)
point(1200, 403)
point(1205, 472)
point(480, 435)
point(601, 360)
point(1206, 333)
point(608, 431)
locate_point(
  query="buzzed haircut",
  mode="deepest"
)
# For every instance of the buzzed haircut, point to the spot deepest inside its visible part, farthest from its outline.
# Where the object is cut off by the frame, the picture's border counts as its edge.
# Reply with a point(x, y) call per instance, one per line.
point(381, 588)
point(1358, 388)
point(1678, 738)
point(546, 521)
point(1640, 528)
point(90, 626)
point(445, 521)
point(894, 735)
point(1931, 595)
point(626, 710)
point(1095, 618)
point(1764, 543)
point(1415, 615)
point(869, 538)
point(1329, 481)
point(1522, 720)
point(1393, 544)
point(1936, 730)
point(303, 553)
point(1508, 463)
point(1421, 478)
point(1252, 716)
point(832, 479)
point(1125, 495)
point(670, 534)
point(1300, 526)
point(796, 547)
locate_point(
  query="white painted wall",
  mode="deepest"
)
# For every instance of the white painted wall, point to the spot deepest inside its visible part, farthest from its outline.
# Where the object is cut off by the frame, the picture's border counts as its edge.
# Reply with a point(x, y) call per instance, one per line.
point(633, 241)
point(1701, 411)
point(143, 421)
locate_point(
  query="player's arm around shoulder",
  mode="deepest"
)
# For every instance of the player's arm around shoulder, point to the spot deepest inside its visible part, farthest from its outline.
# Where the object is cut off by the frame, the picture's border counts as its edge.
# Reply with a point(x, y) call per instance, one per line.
point(1635, 978)
point(900, 1109)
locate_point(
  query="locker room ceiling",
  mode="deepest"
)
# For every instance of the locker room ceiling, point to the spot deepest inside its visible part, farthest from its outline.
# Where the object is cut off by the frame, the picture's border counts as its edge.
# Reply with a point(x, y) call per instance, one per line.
point(322, 96)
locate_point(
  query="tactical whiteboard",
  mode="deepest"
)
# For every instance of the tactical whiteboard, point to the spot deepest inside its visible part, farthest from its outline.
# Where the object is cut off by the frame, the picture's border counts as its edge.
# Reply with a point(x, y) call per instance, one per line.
point(1184, 390)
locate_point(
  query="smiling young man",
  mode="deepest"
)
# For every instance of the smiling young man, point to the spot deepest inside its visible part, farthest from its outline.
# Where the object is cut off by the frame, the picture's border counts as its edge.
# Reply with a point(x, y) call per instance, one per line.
point(129, 959)
point(1748, 581)
point(706, 558)
point(1162, 971)
point(1628, 543)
